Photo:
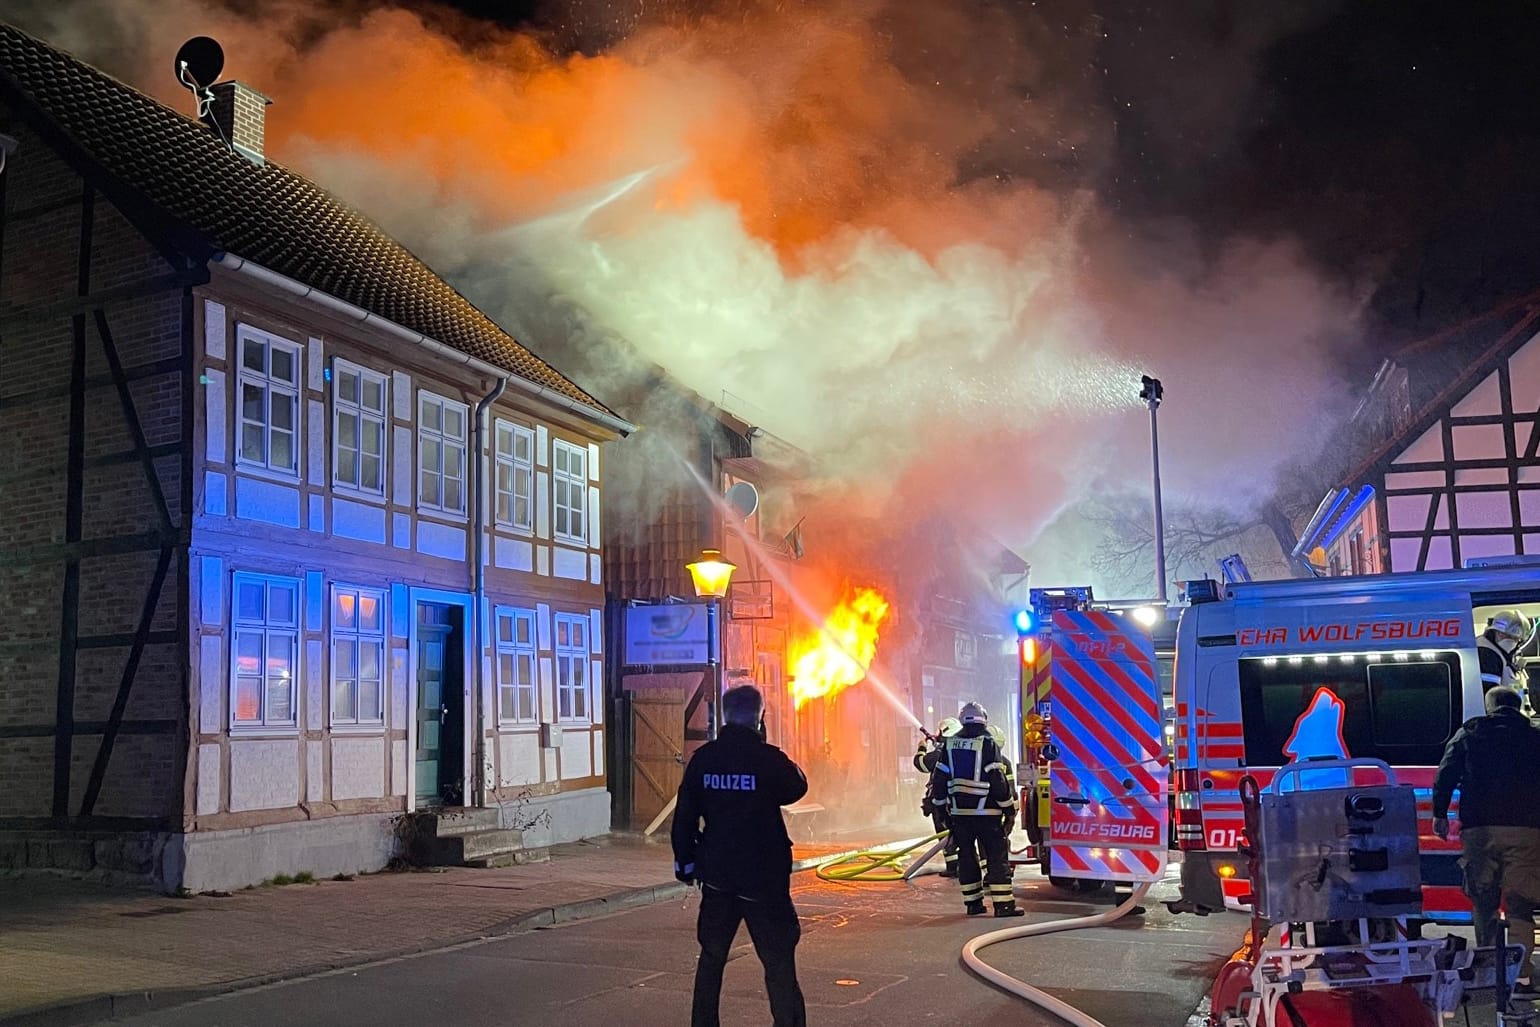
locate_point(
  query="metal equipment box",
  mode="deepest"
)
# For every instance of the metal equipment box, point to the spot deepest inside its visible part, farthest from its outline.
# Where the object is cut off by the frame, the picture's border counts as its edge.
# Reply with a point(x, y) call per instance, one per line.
point(1338, 853)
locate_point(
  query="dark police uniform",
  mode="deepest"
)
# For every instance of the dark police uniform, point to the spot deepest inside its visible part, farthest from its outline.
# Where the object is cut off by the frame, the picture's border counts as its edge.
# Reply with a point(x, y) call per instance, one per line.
point(1492, 761)
point(742, 857)
point(973, 774)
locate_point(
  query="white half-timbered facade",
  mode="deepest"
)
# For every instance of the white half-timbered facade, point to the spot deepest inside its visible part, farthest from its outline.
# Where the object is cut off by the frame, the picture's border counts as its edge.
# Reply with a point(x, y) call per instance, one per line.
point(1457, 478)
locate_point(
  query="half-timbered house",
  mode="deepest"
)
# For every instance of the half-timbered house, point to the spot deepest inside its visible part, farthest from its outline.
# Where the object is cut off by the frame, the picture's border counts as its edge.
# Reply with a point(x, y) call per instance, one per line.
point(294, 540)
point(1450, 429)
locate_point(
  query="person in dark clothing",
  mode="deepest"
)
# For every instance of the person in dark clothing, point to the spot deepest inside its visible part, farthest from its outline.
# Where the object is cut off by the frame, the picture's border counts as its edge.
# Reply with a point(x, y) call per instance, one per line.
point(981, 806)
point(933, 805)
point(1492, 761)
point(730, 838)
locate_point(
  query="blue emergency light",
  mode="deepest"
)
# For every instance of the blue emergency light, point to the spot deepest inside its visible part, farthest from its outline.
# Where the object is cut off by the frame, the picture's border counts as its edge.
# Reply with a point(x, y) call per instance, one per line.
point(1025, 622)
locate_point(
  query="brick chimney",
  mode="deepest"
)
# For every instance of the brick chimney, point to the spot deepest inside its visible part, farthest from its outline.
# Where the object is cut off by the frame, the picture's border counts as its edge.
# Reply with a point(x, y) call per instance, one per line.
point(237, 114)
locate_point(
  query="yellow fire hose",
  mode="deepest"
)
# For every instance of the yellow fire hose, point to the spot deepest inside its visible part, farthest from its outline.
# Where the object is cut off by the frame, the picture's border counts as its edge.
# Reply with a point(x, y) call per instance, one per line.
point(875, 866)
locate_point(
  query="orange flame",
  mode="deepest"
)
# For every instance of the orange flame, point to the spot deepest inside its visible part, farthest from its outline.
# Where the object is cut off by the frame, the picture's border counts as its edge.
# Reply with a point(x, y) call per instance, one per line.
point(830, 660)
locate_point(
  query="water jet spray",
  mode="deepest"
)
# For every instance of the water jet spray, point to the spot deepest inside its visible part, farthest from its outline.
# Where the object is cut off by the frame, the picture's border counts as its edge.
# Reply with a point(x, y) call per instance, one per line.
point(798, 599)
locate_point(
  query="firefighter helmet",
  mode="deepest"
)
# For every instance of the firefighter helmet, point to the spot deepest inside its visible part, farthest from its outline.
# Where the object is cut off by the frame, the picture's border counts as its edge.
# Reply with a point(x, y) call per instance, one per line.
point(949, 727)
point(1512, 624)
point(973, 713)
point(998, 734)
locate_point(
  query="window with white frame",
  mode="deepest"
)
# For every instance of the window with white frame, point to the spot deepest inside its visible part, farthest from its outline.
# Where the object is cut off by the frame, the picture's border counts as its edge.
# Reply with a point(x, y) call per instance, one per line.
point(268, 411)
point(569, 481)
point(571, 666)
point(358, 656)
point(516, 666)
point(515, 485)
point(264, 650)
point(440, 454)
point(358, 428)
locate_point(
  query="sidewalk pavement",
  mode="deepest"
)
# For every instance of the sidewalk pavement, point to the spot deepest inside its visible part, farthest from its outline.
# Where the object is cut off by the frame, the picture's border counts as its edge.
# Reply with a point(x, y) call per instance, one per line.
point(73, 952)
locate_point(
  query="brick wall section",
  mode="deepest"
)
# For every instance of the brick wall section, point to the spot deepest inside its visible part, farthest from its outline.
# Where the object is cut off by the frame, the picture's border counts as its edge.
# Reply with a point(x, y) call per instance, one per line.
point(39, 266)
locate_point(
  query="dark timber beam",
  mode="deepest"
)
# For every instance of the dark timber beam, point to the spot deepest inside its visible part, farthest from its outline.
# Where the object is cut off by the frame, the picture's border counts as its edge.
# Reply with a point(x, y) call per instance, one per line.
point(74, 499)
point(125, 685)
point(131, 416)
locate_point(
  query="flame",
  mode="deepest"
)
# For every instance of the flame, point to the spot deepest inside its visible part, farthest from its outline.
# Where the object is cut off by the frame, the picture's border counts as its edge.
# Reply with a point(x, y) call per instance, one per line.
point(833, 658)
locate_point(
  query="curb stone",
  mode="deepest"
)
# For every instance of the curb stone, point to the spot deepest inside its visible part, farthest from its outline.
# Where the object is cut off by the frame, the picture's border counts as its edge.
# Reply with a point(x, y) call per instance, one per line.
point(135, 1003)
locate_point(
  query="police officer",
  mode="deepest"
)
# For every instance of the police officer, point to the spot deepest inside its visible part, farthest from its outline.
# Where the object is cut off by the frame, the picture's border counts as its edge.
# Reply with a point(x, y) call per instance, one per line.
point(982, 811)
point(934, 805)
point(729, 837)
point(1507, 632)
point(1492, 760)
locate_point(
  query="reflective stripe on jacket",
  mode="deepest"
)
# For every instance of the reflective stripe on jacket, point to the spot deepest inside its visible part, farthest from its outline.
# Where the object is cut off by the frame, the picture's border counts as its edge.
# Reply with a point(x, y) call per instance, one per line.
point(973, 775)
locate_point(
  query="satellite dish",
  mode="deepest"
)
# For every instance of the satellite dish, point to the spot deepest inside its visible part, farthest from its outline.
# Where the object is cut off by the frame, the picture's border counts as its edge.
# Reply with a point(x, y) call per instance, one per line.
point(744, 498)
point(199, 62)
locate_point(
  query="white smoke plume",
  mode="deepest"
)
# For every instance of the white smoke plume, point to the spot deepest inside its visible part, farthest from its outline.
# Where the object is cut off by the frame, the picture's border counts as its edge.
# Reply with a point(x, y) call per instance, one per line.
point(794, 204)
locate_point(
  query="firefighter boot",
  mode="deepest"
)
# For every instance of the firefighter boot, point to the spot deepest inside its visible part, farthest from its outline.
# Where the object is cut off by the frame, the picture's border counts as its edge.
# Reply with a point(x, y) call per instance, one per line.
point(1008, 909)
point(975, 908)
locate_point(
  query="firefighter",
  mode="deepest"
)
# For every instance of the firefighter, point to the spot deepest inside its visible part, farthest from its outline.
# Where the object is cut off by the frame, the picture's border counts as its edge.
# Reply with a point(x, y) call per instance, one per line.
point(1507, 632)
point(1491, 760)
point(729, 837)
point(981, 807)
point(934, 805)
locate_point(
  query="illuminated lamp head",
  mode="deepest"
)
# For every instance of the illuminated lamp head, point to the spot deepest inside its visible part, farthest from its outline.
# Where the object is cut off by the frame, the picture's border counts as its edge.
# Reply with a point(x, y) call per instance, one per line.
point(1025, 622)
point(711, 574)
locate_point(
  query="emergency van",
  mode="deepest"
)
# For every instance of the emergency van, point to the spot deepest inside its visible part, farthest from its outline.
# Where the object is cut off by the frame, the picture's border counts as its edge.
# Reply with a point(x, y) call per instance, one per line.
point(1382, 667)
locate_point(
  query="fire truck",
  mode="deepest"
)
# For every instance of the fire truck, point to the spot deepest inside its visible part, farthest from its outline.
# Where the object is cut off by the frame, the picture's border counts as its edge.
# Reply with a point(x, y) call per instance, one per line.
point(1094, 770)
point(1349, 668)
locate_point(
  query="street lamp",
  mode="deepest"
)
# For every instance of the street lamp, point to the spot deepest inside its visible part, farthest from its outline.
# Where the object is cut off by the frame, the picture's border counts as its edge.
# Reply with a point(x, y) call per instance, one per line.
point(711, 575)
point(1151, 393)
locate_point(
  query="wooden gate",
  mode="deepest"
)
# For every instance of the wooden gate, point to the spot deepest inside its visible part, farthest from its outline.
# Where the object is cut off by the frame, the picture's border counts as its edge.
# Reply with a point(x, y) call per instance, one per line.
point(657, 750)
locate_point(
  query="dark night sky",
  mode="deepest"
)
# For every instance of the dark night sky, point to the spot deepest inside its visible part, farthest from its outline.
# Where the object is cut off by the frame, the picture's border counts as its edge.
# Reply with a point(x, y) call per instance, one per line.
point(1398, 140)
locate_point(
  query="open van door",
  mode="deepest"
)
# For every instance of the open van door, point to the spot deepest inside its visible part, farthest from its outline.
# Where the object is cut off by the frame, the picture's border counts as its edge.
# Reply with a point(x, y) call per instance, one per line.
point(1108, 817)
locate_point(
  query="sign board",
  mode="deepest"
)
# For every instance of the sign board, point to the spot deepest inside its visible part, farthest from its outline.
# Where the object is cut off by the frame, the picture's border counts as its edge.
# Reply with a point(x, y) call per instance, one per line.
point(751, 600)
point(672, 633)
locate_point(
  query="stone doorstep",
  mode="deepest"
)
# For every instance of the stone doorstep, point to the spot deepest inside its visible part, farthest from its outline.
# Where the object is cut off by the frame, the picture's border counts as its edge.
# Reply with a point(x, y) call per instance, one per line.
point(452, 822)
point(101, 1007)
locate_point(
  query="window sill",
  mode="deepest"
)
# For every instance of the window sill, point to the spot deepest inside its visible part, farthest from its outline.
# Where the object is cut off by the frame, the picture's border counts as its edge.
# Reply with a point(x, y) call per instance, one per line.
point(358, 729)
point(518, 727)
point(446, 516)
point(569, 540)
point(513, 530)
point(253, 731)
point(349, 492)
point(268, 474)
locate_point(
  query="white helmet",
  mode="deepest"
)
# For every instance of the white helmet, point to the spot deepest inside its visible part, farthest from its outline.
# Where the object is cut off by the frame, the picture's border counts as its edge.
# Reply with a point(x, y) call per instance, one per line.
point(949, 727)
point(1513, 626)
point(973, 713)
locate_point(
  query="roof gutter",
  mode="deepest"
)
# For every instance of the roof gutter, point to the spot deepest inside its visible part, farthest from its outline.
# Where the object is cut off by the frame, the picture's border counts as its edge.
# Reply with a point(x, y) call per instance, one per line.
point(344, 309)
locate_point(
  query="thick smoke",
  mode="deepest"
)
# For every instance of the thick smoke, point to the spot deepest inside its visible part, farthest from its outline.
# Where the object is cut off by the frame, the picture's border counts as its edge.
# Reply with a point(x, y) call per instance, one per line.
point(882, 225)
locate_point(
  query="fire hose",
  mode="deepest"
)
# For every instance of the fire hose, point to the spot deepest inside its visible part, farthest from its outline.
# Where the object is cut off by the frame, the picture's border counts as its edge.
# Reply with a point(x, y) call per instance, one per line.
point(1063, 1010)
point(875, 865)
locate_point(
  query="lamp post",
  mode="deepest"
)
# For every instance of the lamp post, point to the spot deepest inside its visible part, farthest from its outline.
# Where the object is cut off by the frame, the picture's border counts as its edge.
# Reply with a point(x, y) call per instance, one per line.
point(1151, 393)
point(711, 575)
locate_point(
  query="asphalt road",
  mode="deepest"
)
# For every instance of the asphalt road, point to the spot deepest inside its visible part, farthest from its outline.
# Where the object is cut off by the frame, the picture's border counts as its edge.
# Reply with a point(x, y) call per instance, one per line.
point(870, 954)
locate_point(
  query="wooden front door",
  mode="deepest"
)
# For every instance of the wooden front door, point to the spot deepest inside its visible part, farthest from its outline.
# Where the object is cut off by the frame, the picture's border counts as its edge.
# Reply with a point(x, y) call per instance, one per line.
point(440, 755)
point(657, 752)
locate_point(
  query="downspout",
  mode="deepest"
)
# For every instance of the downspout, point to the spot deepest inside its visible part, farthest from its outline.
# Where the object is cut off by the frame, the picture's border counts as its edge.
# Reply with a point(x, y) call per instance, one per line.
point(479, 584)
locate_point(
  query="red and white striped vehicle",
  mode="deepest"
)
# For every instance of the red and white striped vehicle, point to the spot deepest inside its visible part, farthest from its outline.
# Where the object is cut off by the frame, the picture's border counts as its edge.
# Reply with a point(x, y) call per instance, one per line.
point(1382, 667)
